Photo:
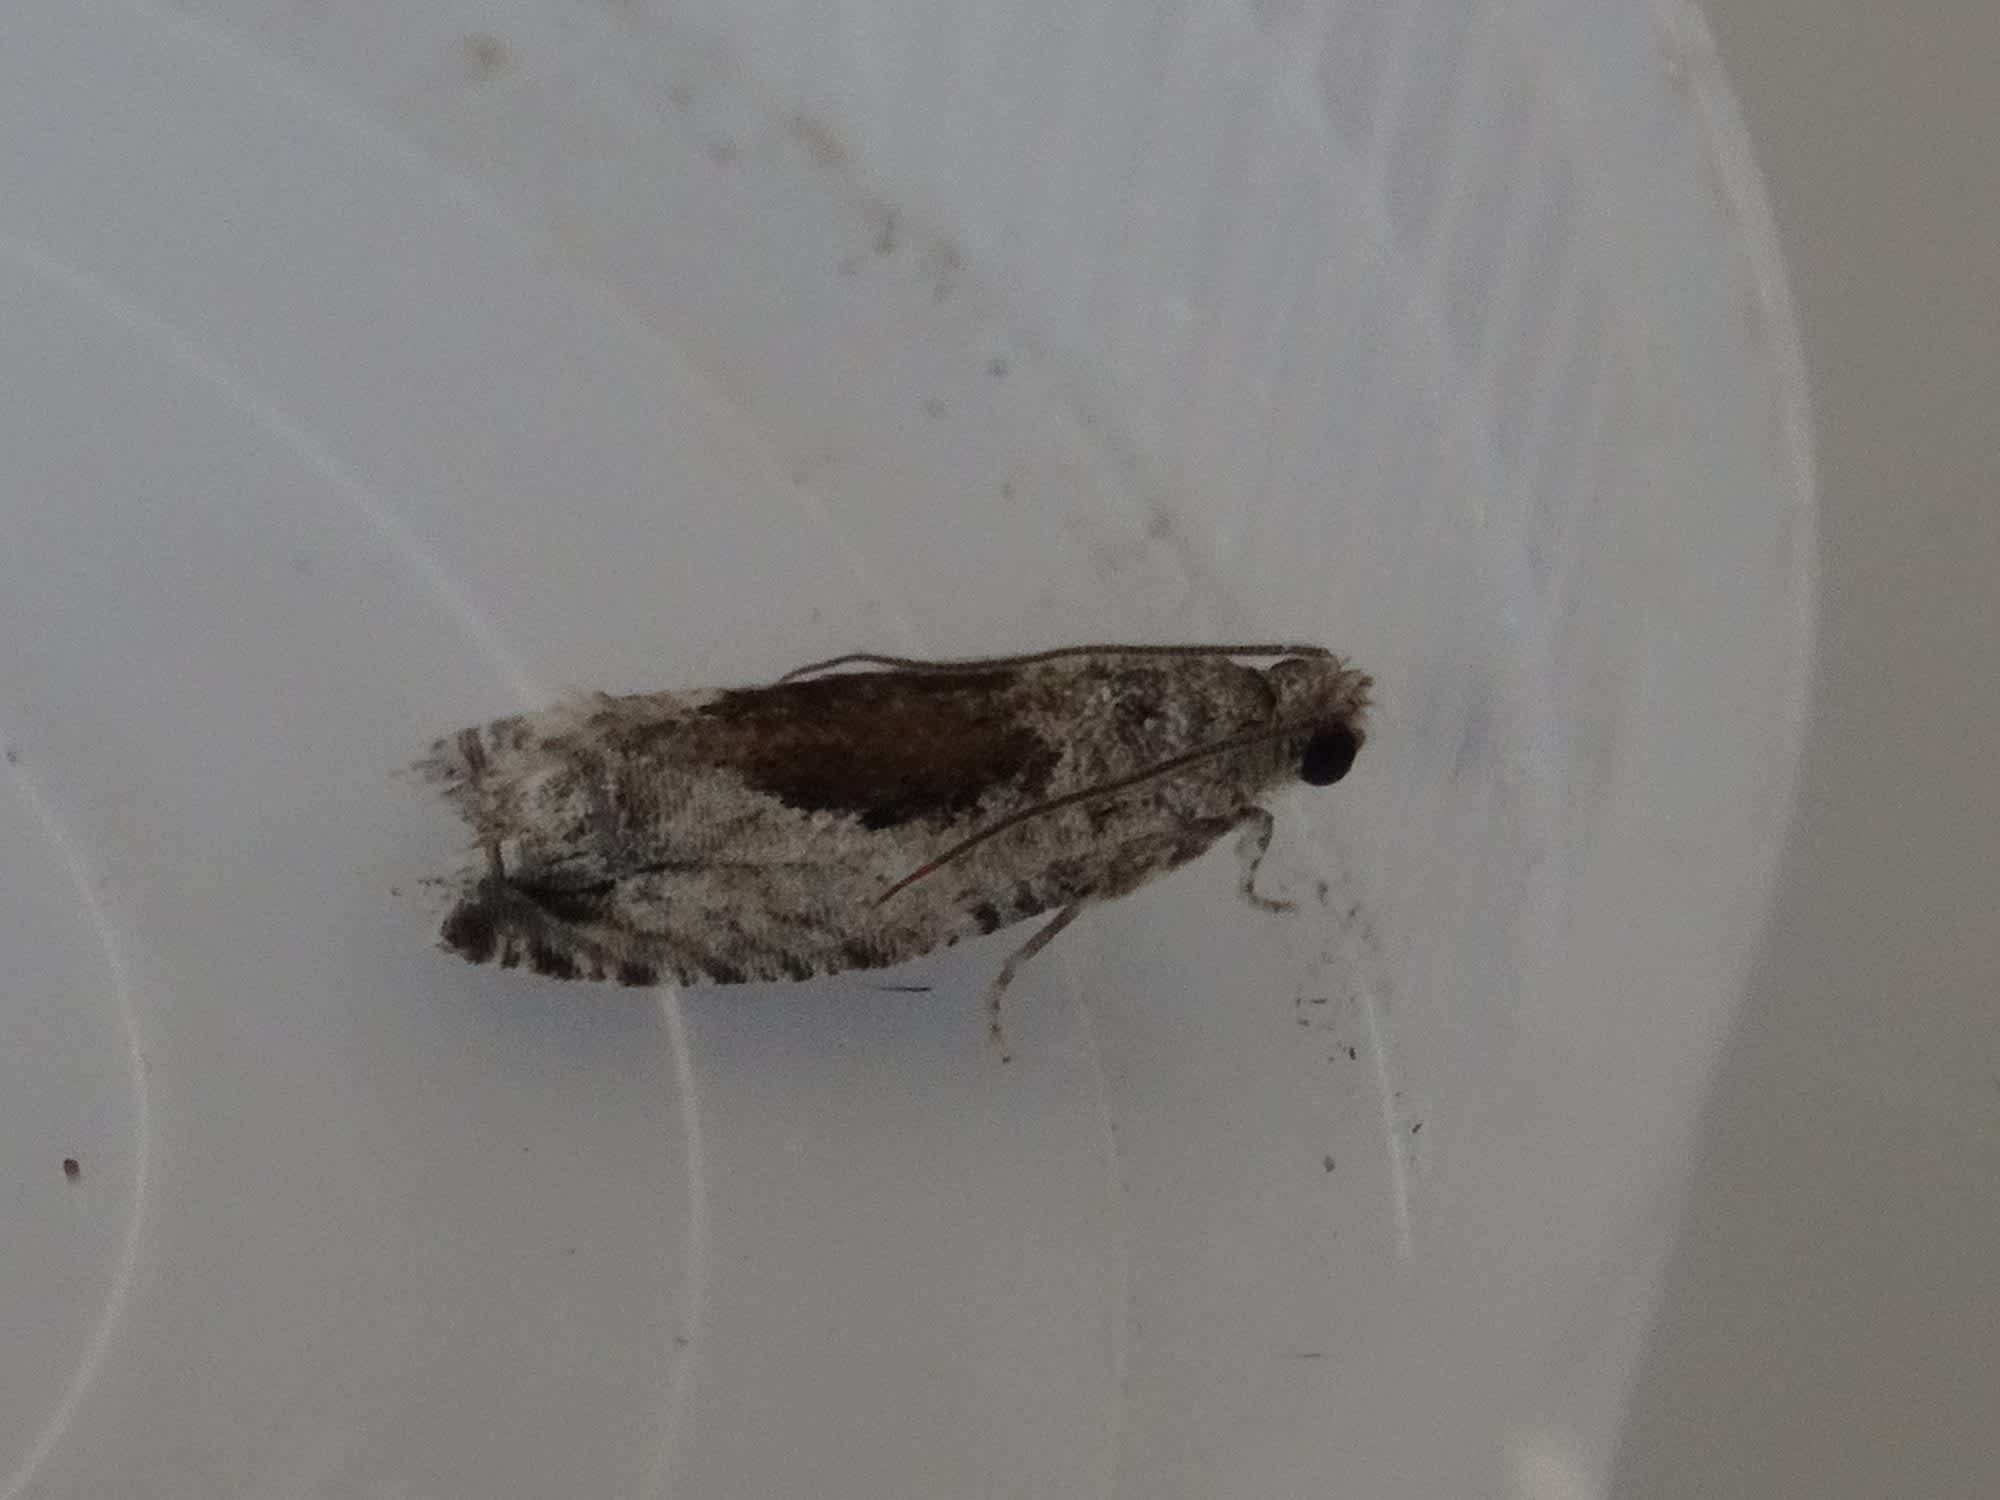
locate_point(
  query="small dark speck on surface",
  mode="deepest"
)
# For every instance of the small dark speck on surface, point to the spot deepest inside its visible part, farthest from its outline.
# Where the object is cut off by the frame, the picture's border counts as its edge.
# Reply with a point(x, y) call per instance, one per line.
point(1416, 1128)
point(1353, 1055)
point(483, 55)
point(72, 1168)
point(1316, 1000)
point(1305, 1021)
point(945, 266)
point(821, 143)
point(1159, 526)
point(935, 409)
point(1326, 1163)
point(1006, 489)
point(13, 756)
point(997, 367)
point(885, 229)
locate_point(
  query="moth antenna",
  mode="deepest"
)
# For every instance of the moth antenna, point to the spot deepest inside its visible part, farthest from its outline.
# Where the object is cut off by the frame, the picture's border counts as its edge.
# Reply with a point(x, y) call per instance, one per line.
point(1167, 767)
point(841, 661)
point(963, 663)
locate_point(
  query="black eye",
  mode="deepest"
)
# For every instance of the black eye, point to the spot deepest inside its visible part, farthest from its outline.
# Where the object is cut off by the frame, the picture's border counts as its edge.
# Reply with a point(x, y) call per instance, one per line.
point(1328, 754)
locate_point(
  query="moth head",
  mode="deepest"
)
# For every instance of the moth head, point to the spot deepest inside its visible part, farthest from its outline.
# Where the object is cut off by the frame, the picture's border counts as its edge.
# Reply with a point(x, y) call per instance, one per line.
point(1328, 702)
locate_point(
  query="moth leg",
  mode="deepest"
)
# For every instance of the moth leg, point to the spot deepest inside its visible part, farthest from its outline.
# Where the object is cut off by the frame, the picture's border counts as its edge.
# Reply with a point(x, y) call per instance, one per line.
point(1042, 938)
point(1258, 825)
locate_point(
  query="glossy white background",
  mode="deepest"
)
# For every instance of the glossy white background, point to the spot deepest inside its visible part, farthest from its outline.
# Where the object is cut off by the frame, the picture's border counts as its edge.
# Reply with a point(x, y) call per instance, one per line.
point(371, 369)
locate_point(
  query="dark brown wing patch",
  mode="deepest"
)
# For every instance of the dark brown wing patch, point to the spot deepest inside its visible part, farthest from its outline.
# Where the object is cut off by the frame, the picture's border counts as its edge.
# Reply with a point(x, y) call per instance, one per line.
point(889, 747)
point(578, 905)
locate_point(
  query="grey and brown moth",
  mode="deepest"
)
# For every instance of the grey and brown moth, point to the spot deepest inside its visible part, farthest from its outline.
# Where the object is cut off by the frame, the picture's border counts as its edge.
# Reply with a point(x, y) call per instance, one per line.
point(865, 810)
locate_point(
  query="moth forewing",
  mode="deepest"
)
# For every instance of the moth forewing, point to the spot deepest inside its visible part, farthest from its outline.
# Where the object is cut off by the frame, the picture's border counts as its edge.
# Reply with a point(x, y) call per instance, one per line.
point(849, 820)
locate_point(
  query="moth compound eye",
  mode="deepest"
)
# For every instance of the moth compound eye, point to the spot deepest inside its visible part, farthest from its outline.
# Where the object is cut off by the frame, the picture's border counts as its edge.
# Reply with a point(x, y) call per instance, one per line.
point(1328, 755)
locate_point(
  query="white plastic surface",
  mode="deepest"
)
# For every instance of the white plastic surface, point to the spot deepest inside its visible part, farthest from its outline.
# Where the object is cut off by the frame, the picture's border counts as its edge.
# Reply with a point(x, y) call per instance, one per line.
point(370, 369)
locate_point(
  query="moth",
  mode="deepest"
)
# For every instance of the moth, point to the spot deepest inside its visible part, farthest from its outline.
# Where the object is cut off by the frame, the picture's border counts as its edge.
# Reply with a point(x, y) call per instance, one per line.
point(865, 810)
